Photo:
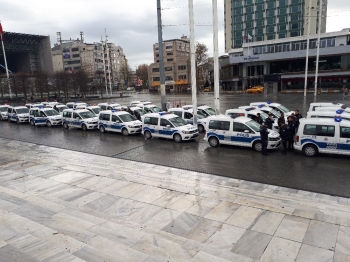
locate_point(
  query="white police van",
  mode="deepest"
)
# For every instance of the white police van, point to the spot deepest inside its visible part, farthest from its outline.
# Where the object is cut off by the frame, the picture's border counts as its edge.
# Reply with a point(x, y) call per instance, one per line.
point(135, 103)
point(119, 121)
point(316, 106)
point(94, 109)
point(323, 135)
point(332, 108)
point(149, 108)
point(328, 114)
point(250, 112)
point(266, 109)
point(44, 116)
point(39, 105)
point(240, 131)
point(3, 112)
point(108, 106)
point(167, 125)
point(187, 115)
point(75, 104)
point(19, 114)
point(79, 118)
point(277, 106)
point(60, 108)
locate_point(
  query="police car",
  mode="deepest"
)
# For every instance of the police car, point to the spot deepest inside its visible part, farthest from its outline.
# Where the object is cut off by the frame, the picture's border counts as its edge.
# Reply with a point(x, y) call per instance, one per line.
point(328, 114)
point(187, 115)
point(60, 108)
point(167, 126)
point(135, 103)
point(119, 121)
point(150, 108)
point(278, 107)
point(250, 112)
point(206, 110)
point(323, 135)
point(29, 106)
point(75, 104)
point(3, 112)
point(240, 131)
point(79, 118)
point(19, 114)
point(108, 106)
point(44, 116)
point(332, 108)
point(316, 106)
point(94, 109)
point(266, 109)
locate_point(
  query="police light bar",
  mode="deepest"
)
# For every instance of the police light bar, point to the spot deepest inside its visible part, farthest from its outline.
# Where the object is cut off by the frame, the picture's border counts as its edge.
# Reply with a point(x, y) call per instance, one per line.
point(233, 116)
point(261, 106)
point(338, 119)
point(340, 111)
point(40, 107)
point(269, 102)
point(249, 108)
point(162, 113)
point(113, 111)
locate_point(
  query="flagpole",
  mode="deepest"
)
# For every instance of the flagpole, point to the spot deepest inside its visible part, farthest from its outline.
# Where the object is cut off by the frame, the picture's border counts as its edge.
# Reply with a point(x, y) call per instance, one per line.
point(7, 70)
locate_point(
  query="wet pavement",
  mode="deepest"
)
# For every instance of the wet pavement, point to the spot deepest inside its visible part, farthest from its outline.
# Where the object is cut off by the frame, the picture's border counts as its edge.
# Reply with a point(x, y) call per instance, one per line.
point(322, 174)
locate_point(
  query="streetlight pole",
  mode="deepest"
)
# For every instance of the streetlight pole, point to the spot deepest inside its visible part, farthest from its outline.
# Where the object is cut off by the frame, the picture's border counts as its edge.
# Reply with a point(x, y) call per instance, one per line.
point(320, 8)
point(216, 58)
point(307, 48)
point(161, 58)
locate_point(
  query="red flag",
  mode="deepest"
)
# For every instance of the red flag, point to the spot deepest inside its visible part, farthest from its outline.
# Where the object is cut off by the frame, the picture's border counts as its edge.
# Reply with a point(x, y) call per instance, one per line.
point(1, 33)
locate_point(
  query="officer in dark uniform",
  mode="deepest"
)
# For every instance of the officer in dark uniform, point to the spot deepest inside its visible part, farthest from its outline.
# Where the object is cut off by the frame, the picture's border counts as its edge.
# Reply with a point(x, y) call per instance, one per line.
point(284, 136)
point(259, 119)
point(269, 121)
point(281, 120)
point(264, 138)
point(297, 117)
point(291, 132)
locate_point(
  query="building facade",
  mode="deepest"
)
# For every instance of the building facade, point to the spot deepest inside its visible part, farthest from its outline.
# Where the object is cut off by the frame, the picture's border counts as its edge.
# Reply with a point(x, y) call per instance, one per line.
point(95, 59)
point(285, 59)
point(261, 20)
point(176, 53)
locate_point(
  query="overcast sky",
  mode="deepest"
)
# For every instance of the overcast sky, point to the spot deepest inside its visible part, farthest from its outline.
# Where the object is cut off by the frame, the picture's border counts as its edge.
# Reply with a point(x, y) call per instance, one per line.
point(132, 24)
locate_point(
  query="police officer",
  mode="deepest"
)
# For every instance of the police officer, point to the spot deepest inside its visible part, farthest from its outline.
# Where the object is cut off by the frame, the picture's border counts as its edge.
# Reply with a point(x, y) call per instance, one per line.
point(259, 119)
point(297, 116)
point(284, 136)
point(269, 121)
point(291, 132)
point(281, 120)
point(264, 138)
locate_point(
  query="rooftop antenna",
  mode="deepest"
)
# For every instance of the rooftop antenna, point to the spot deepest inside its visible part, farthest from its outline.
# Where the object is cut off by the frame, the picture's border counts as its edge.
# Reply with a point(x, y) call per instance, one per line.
point(82, 37)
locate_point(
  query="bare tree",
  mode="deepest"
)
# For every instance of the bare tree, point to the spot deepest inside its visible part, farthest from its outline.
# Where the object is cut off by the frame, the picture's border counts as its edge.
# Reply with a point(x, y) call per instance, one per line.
point(24, 83)
point(201, 63)
point(142, 74)
point(81, 81)
point(41, 83)
point(99, 81)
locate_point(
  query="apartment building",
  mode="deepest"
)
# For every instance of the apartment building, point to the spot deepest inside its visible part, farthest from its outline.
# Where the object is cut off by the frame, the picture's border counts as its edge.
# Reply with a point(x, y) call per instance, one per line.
point(176, 53)
point(261, 20)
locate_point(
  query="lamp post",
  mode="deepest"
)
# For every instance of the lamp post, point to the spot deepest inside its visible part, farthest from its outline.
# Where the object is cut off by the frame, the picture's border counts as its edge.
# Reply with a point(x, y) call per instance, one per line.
point(320, 8)
point(307, 48)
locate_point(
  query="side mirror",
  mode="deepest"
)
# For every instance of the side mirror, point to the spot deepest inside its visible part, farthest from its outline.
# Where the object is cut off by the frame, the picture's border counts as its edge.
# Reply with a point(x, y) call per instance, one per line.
point(246, 131)
point(168, 126)
point(117, 121)
point(77, 118)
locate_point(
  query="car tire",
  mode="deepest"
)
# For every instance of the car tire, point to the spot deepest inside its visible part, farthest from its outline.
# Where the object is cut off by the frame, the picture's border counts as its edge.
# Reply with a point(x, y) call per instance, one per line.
point(102, 129)
point(125, 132)
point(257, 146)
point(177, 138)
point(213, 141)
point(201, 128)
point(310, 150)
point(147, 135)
point(84, 127)
point(65, 125)
point(32, 122)
point(48, 123)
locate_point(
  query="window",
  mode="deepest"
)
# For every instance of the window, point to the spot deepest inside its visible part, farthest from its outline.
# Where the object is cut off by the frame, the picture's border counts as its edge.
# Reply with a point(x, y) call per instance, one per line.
point(282, 11)
point(156, 79)
point(330, 42)
point(75, 115)
point(237, 3)
point(169, 47)
point(295, 26)
point(260, 23)
point(249, 25)
point(270, 37)
point(283, 2)
point(238, 18)
point(260, 7)
point(271, 5)
point(270, 29)
point(271, 21)
point(319, 130)
point(168, 68)
point(344, 132)
point(165, 122)
point(182, 77)
point(42, 114)
point(238, 26)
point(286, 47)
point(294, 9)
point(188, 115)
point(170, 60)
point(169, 53)
point(249, 9)
point(168, 78)
point(75, 49)
point(181, 67)
point(260, 31)
point(248, 2)
point(151, 121)
point(278, 48)
point(295, 46)
point(178, 113)
point(282, 27)
point(270, 13)
point(116, 118)
point(295, 33)
point(248, 17)
point(154, 70)
point(67, 114)
point(283, 19)
point(259, 15)
point(239, 127)
point(238, 11)
point(219, 125)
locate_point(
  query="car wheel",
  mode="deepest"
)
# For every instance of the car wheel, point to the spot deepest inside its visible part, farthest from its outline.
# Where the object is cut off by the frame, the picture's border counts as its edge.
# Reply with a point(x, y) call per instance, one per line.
point(84, 127)
point(65, 125)
point(147, 135)
point(213, 141)
point(177, 138)
point(17, 120)
point(48, 123)
point(32, 122)
point(310, 150)
point(125, 132)
point(257, 146)
point(102, 129)
point(200, 128)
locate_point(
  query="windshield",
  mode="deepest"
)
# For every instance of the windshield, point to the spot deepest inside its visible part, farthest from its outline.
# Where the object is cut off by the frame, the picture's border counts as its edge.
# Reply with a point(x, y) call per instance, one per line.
point(156, 109)
point(96, 110)
point(51, 113)
point(200, 114)
point(210, 111)
point(264, 115)
point(140, 111)
point(253, 125)
point(127, 118)
point(62, 108)
point(178, 121)
point(276, 113)
point(86, 114)
point(22, 110)
point(283, 109)
point(3, 109)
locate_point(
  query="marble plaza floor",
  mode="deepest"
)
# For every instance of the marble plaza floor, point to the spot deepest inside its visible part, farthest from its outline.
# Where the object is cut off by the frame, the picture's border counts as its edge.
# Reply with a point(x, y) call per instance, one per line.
point(60, 205)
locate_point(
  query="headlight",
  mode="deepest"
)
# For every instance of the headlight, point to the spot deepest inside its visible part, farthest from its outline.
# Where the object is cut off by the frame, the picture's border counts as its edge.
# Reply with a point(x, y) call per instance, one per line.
point(131, 126)
point(186, 132)
point(90, 122)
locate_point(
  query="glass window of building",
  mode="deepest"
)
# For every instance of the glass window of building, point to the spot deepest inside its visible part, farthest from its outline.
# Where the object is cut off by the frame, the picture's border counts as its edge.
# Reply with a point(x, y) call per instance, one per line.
point(303, 45)
point(282, 35)
point(238, 33)
point(237, 3)
point(312, 44)
point(278, 48)
point(270, 37)
point(260, 7)
point(249, 25)
point(239, 26)
point(283, 19)
point(270, 13)
point(238, 18)
point(295, 46)
point(323, 43)
point(286, 47)
point(259, 38)
point(248, 2)
point(295, 18)
point(238, 42)
point(295, 9)
point(260, 23)
point(259, 15)
point(330, 42)
point(283, 2)
point(282, 11)
point(296, 1)
point(282, 27)
point(259, 31)
point(259, 1)
point(270, 48)
point(270, 29)
point(168, 78)
point(249, 17)
point(238, 11)
point(294, 33)
point(249, 9)
point(295, 26)
point(271, 21)
point(271, 5)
